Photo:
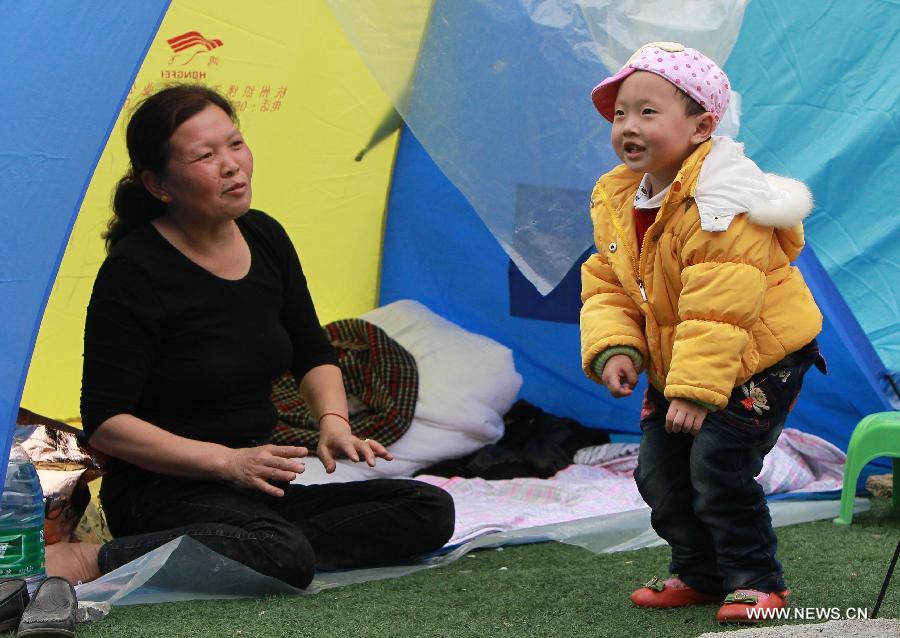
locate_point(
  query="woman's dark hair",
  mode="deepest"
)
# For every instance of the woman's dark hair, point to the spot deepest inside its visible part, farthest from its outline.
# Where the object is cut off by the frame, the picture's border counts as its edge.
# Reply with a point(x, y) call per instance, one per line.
point(147, 138)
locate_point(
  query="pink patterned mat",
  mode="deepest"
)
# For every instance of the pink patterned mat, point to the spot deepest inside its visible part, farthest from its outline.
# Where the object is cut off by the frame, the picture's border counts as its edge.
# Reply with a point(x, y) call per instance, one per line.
point(601, 483)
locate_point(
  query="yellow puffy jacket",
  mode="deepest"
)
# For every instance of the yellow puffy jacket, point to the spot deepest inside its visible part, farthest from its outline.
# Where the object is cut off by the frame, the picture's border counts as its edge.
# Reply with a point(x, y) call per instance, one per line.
point(713, 298)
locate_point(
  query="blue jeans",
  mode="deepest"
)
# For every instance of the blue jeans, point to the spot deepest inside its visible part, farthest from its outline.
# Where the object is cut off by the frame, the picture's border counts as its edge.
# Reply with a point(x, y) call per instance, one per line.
point(702, 491)
point(314, 527)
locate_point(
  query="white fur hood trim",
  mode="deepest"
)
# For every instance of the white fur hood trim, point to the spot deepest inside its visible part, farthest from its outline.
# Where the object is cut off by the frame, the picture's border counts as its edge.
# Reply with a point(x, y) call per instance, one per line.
point(730, 183)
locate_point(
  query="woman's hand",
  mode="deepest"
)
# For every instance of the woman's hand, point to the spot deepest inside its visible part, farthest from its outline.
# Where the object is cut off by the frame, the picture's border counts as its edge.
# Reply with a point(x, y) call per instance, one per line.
point(685, 416)
point(259, 467)
point(335, 437)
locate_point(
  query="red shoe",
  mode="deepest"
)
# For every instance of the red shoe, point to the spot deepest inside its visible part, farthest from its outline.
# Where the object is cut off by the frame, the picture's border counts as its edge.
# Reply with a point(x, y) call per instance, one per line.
point(750, 606)
point(670, 593)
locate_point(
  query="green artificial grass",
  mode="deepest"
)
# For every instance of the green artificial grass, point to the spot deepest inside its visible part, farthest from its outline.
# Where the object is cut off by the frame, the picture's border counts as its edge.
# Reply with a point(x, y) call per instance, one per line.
point(541, 590)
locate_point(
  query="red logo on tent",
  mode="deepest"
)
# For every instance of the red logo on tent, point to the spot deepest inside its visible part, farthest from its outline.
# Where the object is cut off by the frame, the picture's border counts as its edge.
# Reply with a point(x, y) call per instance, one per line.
point(192, 38)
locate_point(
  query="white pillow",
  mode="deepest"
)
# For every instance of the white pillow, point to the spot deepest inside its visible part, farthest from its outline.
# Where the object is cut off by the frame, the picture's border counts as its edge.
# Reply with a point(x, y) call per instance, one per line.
point(467, 382)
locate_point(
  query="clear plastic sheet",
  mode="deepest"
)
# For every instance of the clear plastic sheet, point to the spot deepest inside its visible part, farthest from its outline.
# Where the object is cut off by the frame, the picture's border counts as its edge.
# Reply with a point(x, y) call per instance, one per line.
point(619, 27)
point(184, 569)
point(498, 92)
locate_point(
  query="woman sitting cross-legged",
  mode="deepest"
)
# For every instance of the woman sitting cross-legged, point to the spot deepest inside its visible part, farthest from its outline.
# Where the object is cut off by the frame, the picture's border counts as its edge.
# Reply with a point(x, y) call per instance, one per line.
point(200, 304)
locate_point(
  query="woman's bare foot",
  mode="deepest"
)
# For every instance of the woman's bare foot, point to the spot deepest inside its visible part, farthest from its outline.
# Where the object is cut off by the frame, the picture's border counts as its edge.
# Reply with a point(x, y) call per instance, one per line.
point(76, 562)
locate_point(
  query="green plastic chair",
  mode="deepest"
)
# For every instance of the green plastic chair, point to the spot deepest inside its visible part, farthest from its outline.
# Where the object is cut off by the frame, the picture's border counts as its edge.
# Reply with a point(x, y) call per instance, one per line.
point(876, 435)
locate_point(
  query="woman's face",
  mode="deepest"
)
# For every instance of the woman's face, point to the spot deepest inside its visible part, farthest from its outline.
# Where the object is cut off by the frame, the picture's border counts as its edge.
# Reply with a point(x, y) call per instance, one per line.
point(209, 169)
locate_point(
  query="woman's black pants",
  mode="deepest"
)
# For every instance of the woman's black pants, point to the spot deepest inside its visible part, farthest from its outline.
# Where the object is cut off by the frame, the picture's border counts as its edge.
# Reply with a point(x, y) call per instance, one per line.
point(310, 528)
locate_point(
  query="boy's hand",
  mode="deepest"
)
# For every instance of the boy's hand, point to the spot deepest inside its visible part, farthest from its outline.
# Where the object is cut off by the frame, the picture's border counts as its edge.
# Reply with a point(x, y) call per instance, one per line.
point(619, 375)
point(685, 416)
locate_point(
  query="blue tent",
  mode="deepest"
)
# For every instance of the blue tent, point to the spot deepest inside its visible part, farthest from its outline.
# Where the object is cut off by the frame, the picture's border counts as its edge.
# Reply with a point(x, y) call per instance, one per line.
point(67, 71)
point(803, 58)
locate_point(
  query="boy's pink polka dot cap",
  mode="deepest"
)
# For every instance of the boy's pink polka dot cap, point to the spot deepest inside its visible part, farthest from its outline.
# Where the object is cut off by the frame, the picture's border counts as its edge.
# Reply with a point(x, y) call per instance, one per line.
point(686, 68)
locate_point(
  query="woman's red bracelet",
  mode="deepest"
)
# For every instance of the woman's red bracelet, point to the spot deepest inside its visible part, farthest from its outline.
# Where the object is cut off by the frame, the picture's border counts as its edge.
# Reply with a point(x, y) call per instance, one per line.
point(340, 416)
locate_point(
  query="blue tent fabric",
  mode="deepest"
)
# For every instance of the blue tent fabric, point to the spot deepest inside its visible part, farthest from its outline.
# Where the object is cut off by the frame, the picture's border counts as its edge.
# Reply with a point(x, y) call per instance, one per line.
point(67, 75)
point(438, 251)
point(562, 304)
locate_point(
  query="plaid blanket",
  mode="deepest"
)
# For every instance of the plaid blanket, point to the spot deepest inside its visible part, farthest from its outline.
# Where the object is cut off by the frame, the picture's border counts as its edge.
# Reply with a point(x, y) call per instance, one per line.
point(382, 384)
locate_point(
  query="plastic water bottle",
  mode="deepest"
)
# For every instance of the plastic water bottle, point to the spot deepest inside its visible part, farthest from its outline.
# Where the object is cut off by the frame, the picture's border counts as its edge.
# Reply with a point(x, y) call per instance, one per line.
point(22, 521)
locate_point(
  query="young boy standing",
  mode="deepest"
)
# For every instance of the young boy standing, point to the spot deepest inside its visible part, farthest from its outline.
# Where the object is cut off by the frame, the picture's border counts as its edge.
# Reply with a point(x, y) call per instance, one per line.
point(692, 282)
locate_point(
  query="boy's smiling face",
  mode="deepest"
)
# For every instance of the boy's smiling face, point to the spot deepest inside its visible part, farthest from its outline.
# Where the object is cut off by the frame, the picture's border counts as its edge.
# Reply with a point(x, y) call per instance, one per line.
point(652, 132)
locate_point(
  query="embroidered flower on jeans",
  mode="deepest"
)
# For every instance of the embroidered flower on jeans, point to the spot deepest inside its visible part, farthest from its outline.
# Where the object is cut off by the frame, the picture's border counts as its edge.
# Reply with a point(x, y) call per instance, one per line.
point(784, 375)
point(754, 398)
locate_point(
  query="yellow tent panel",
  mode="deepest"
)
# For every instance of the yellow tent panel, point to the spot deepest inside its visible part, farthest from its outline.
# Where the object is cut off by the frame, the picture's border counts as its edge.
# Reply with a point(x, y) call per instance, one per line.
point(307, 105)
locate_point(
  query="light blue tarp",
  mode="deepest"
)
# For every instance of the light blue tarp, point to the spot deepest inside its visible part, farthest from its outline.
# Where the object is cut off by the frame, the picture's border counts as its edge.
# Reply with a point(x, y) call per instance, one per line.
point(821, 102)
point(66, 70)
point(180, 569)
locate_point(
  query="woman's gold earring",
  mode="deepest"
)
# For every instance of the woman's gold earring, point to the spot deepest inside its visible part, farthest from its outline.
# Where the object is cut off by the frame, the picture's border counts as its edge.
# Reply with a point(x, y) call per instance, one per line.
point(165, 199)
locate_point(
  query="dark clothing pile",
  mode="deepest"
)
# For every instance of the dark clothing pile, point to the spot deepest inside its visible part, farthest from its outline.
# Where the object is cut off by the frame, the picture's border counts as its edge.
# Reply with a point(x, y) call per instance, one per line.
point(535, 444)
